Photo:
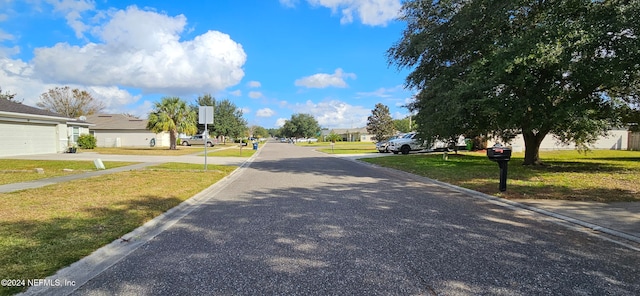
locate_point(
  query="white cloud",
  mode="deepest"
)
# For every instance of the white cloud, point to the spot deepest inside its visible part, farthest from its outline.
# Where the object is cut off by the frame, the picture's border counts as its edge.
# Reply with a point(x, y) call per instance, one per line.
point(370, 12)
point(266, 112)
point(280, 122)
point(255, 84)
point(335, 113)
point(72, 11)
point(142, 49)
point(245, 110)
point(236, 93)
point(289, 3)
point(323, 80)
point(255, 94)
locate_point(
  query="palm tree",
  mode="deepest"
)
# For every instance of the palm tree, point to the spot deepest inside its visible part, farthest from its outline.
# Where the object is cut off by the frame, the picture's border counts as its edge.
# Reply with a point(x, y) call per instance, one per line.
point(174, 116)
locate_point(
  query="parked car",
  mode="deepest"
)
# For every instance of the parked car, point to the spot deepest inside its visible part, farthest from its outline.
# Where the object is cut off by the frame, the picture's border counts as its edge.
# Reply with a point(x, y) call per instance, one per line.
point(383, 146)
point(197, 140)
point(405, 144)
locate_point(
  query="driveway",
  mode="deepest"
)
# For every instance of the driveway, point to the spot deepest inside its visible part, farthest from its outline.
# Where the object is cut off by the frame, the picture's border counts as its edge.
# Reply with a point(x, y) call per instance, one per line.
point(296, 221)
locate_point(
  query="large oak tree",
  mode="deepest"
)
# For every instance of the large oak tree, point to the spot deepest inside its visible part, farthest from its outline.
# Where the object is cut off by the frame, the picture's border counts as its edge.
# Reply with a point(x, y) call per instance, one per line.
point(564, 67)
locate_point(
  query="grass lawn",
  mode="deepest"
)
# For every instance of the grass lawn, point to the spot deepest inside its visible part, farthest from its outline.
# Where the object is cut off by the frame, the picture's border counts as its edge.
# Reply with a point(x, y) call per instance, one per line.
point(343, 147)
point(246, 151)
point(45, 229)
point(601, 175)
point(18, 170)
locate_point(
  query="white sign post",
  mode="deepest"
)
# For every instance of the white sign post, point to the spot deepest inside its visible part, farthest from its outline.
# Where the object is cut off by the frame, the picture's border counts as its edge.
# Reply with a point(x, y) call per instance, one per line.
point(205, 116)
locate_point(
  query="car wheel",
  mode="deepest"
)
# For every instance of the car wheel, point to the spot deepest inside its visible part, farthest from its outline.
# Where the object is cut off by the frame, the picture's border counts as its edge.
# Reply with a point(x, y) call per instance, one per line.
point(405, 149)
point(209, 144)
point(185, 143)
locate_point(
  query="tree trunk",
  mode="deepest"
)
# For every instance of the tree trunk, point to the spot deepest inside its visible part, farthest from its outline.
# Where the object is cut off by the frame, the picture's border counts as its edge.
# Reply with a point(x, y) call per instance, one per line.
point(532, 142)
point(172, 140)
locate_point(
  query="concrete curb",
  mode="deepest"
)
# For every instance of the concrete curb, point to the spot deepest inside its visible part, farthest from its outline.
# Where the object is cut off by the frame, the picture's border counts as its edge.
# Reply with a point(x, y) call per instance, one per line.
point(574, 223)
point(100, 260)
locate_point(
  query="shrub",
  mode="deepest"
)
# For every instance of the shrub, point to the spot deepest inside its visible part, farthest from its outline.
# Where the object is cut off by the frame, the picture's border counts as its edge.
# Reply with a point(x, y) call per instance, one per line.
point(87, 141)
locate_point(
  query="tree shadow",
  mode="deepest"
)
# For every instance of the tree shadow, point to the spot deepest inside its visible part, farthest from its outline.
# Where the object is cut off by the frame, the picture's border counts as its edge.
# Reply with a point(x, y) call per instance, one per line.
point(372, 233)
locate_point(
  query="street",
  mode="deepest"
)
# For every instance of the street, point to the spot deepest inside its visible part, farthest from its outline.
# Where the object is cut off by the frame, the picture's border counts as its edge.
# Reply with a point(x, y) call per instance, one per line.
point(296, 221)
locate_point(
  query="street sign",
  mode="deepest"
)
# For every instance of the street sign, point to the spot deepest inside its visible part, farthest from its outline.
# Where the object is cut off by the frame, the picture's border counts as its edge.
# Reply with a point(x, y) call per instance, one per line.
point(205, 115)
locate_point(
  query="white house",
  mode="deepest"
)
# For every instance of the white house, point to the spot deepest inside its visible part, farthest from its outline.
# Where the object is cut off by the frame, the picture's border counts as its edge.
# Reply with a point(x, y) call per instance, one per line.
point(118, 130)
point(616, 140)
point(27, 130)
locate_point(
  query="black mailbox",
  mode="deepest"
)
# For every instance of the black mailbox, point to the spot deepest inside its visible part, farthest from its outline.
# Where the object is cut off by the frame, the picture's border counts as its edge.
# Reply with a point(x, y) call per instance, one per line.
point(497, 153)
point(501, 155)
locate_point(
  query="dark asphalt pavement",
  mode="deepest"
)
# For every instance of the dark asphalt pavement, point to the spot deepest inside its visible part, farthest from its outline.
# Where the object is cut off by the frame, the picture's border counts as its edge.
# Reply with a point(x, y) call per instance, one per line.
point(298, 222)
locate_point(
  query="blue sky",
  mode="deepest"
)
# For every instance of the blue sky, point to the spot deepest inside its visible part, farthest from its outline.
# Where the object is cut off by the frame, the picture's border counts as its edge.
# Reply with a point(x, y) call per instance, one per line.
point(272, 58)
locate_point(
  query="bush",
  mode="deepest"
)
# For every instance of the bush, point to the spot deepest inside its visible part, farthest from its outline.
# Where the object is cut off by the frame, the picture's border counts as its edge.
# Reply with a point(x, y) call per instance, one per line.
point(87, 141)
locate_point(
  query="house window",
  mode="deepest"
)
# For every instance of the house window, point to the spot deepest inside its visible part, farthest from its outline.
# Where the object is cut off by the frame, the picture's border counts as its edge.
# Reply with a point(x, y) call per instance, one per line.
point(76, 134)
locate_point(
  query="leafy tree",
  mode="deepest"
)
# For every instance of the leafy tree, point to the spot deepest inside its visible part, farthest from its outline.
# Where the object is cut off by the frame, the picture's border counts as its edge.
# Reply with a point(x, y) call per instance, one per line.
point(71, 103)
point(259, 132)
point(228, 120)
point(380, 123)
point(8, 96)
point(205, 100)
point(274, 132)
point(402, 125)
point(301, 126)
point(172, 115)
point(564, 67)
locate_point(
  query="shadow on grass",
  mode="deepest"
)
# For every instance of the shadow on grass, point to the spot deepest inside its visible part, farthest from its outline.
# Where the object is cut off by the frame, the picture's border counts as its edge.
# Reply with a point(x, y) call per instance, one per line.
point(37, 249)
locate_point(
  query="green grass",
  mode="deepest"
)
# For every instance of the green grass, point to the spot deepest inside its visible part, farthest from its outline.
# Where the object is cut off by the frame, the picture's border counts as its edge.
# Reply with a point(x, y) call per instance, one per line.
point(344, 147)
point(48, 228)
point(18, 170)
point(601, 175)
point(233, 151)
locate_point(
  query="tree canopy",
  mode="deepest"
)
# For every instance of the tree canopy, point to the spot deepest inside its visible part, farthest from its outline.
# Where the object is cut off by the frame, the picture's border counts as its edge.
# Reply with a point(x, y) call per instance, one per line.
point(301, 126)
point(172, 115)
point(380, 123)
point(8, 96)
point(71, 103)
point(565, 67)
point(228, 120)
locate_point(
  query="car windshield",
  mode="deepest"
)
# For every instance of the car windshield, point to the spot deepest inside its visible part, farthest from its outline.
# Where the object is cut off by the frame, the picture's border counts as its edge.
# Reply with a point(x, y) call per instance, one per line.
point(408, 136)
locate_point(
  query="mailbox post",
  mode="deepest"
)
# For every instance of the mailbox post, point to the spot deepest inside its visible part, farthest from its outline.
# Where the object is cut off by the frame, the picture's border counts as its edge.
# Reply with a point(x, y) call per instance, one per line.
point(501, 155)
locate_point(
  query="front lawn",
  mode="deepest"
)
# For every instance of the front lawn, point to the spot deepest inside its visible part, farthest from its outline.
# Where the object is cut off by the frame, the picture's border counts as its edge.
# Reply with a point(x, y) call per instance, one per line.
point(20, 170)
point(45, 229)
point(601, 175)
point(345, 147)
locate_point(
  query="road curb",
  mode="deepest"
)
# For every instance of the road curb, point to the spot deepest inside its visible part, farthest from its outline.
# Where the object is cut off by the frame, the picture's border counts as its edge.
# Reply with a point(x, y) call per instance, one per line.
point(519, 206)
point(101, 259)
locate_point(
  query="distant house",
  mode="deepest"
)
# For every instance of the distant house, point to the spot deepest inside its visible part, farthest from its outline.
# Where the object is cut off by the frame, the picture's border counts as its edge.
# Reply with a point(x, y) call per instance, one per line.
point(350, 134)
point(28, 130)
point(118, 130)
point(618, 139)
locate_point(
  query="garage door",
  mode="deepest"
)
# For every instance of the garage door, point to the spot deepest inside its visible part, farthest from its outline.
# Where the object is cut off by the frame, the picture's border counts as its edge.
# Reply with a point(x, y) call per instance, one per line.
point(25, 139)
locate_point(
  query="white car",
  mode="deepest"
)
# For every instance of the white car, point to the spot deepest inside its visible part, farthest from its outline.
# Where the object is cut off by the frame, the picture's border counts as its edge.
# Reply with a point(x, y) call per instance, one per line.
point(405, 144)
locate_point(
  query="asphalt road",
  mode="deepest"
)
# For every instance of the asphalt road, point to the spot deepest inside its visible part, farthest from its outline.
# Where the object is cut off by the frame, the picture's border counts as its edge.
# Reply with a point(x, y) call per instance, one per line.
point(298, 222)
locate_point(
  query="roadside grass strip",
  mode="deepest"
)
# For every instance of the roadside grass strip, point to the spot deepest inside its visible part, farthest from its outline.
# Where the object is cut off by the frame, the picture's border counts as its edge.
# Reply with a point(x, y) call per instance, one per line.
point(600, 175)
point(45, 229)
point(19, 170)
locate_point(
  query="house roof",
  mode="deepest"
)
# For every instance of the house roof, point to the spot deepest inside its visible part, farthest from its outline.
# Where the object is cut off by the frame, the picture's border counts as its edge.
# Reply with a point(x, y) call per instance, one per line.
point(14, 107)
point(116, 122)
